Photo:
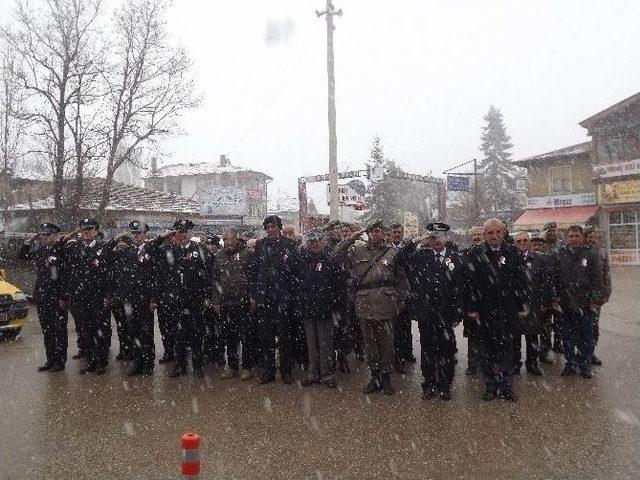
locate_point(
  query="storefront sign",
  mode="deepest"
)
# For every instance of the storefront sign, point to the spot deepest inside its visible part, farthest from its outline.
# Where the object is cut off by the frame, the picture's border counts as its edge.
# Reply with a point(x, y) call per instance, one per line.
point(631, 167)
point(626, 191)
point(619, 257)
point(556, 201)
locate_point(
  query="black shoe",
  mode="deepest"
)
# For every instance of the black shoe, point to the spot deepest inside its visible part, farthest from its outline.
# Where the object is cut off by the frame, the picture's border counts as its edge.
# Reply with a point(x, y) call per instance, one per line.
point(534, 370)
point(120, 357)
point(331, 383)
point(89, 369)
point(374, 384)
point(387, 387)
point(266, 378)
point(101, 369)
point(586, 373)
point(342, 363)
point(178, 371)
point(198, 372)
point(445, 392)
point(57, 367)
point(489, 394)
point(46, 367)
point(147, 371)
point(545, 358)
point(412, 359)
point(516, 370)
point(401, 367)
point(166, 359)
point(307, 382)
point(136, 369)
point(595, 361)
point(428, 391)
point(557, 348)
point(78, 355)
point(287, 378)
point(508, 396)
point(568, 371)
point(470, 371)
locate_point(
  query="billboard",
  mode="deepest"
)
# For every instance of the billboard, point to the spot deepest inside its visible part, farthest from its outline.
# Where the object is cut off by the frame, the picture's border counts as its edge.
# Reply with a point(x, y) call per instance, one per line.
point(458, 183)
point(224, 201)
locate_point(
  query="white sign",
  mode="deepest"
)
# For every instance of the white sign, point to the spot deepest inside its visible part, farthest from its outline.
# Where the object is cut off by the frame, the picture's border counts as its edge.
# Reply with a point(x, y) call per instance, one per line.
point(347, 196)
point(556, 201)
point(631, 167)
point(224, 201)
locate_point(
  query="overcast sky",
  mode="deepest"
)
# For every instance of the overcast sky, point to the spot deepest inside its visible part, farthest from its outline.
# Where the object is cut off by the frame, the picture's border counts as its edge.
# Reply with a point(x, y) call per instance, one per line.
point(420, 73)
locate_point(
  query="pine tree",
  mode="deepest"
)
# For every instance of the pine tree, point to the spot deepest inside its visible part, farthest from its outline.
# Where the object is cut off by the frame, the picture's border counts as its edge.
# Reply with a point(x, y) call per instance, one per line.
point(497, 182)
point(381, 200)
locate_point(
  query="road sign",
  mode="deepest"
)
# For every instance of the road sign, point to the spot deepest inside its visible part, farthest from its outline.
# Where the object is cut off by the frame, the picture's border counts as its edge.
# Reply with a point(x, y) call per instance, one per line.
point(458, 183)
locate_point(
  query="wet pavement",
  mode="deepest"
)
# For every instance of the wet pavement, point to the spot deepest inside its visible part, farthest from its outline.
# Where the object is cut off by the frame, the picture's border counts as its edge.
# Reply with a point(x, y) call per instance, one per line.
point(64, 425)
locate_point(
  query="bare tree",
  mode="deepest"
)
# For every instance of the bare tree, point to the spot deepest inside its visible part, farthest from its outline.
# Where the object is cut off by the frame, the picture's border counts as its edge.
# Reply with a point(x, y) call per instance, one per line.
point(148, 85)
point(54, 42)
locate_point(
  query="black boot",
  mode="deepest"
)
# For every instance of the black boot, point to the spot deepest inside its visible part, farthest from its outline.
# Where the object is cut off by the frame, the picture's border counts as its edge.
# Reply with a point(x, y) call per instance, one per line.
point(387, 387)
point(489, 394)
point(57, 367)
point(178, 370)
point(78, 355)
point(428, 391)
point(47, 366)
point(198, 372)
point(266, 378)
point(534, 370)
point(136, 369)
point(166, 358)
point(595, 360)
point(90, 369)
point(374, 384)
point(508, 395)
point(445, 392)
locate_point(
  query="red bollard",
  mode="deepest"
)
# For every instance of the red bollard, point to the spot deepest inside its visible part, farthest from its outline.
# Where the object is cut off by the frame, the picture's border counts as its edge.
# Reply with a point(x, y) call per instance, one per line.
point(190, 456)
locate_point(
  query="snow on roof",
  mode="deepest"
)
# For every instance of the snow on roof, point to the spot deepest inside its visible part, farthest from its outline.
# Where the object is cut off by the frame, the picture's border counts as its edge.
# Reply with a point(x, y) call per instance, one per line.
point(202, 168)
point(123, 197)
point(627, 102)
point(578, 149)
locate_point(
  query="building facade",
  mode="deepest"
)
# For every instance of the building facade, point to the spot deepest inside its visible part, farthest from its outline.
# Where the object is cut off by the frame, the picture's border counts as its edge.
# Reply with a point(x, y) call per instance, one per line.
point(227, 195)
point(615, 154)
point(559, 188)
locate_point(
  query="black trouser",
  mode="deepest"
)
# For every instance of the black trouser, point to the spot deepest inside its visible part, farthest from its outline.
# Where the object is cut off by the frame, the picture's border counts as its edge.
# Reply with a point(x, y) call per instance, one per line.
point(140, 327)
point(533, 351)
point(81, 334)
point(190, 331)
point(437, 350)
point(496, 359)
point(53, 322)
point(275, 321)
point(96, 320)
point(403, 339)
point(473, 351)
point(551, 324)
point(213, 341)
point(122, 328)
point(236, 327)
point(167, 321)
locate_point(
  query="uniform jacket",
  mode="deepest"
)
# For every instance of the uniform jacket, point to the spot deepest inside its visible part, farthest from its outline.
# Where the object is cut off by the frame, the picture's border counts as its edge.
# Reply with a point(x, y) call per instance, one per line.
point(319, 286)
point(275, 271)
point(51, 270)
point(88, 270)
point(580, 278)
point(166, 270)
point(540, 291)
point(230, 276)
point(377, 293)
point(497, 289)
point(437, 286)
point(132, 275)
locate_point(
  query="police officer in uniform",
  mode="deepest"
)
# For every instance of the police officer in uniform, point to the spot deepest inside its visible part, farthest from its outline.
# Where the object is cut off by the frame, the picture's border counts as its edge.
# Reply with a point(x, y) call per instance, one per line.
point(190, 292)
point(274, 278)
point(167, 277)
point(89, 262)
point(214, 342)
point(437, 286)
point(118, 290)
point(49, 292)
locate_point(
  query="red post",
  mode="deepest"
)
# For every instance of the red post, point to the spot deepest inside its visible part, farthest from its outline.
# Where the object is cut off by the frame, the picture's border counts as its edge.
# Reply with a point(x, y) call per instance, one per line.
point(190, 456)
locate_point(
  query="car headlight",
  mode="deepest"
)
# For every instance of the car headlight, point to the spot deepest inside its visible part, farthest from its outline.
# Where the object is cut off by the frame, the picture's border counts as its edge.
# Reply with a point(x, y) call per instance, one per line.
point(19, 297)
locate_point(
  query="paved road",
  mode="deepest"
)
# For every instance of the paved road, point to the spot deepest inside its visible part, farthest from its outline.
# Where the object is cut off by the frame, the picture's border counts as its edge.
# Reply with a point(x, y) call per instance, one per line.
point(55, 426)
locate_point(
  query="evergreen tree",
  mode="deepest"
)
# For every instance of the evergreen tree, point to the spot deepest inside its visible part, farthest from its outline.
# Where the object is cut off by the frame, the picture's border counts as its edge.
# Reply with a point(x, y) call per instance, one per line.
point(497, 183)
point(381, 200)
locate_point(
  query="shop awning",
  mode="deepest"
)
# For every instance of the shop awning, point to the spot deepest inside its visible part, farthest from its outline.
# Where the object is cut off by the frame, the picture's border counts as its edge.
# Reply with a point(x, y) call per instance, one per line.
point(565, 216)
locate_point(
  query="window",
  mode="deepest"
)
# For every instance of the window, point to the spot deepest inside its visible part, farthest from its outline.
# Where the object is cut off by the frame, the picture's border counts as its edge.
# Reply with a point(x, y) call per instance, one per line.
point(174, 185)
point(560, 180)
point(624, 230)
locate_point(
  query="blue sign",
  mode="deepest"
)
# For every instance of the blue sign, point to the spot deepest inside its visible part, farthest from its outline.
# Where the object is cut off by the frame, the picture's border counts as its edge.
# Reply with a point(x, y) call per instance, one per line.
point(458, 183)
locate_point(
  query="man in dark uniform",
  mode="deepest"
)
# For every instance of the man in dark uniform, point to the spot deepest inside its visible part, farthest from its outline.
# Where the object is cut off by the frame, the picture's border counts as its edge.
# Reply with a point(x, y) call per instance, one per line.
point(213, 342)
point(167, 277)
point(540, 297)
point(470, 328)
point(89, 262)
point(133, 284)
point(581, 287)
point(273, 284)
point(496, 300)
point(437, 286)
point(49, 292)
point(190, 293)
point(538, 246)
point(118, 291)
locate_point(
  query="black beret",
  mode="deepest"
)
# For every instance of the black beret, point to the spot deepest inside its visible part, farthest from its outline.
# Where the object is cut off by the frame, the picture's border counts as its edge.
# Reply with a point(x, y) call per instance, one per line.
point(183, 225)
point(49, 229)
point(87, 223)
point(438, 227)
point(212, 239)
point(137, 226)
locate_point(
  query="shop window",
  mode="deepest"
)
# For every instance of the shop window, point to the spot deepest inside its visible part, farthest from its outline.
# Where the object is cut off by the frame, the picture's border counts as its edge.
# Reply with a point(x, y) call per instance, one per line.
point(615, 218)
point(629, 217)
point(560, 180)
point(623, 237)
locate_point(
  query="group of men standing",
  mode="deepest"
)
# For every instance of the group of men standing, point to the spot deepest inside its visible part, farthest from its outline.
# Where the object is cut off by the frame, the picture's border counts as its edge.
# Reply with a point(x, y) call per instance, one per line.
point(312, 304)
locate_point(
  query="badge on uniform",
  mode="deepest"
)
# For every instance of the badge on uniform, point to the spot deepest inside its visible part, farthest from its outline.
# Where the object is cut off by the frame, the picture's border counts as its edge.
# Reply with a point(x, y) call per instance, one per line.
point(449, 263)
point(194, 254)
point(237, 256)
point(284, 259)
point(96, 262)
point(584, 262)
point(318, 266)
point(385, 262)
point(528, 264)
point(502, 260)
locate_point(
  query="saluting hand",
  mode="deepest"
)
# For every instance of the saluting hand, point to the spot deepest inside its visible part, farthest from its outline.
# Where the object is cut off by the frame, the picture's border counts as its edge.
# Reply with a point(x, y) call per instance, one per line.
point(356, 235)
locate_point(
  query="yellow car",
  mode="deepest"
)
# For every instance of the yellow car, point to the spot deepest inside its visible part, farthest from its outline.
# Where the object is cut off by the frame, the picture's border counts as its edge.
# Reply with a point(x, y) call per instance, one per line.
point(13, 308)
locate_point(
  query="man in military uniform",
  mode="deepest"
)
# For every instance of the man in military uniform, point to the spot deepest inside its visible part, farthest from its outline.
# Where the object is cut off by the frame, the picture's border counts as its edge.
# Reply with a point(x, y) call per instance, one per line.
point(49, 292)
point(167, 277)
point(189, 292)
point(117, 293)
point(593, 239)
point(377, 299)
point(540, 297)
point(89, 262)
point(581, 287)
point(538, 246)
point(274, 278)
point(497, 299)
point(470, 328)
point(231, 302)
point(403, 339)
point(437, 286)
point(213, 341)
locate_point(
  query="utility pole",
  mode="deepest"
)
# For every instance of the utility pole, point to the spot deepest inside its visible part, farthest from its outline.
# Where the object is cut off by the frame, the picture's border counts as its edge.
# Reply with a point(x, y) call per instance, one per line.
point(333, 140)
